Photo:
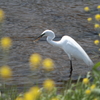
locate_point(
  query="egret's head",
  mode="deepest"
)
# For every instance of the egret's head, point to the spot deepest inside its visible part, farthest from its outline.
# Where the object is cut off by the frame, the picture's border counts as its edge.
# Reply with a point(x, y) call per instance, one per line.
point(46, 33)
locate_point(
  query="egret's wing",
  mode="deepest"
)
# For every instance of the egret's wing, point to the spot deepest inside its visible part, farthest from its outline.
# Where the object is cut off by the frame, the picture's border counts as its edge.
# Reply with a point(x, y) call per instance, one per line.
point(75, 50)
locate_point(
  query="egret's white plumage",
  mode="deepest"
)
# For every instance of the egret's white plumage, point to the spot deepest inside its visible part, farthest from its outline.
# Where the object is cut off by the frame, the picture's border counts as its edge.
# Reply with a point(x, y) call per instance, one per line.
point(70, 46)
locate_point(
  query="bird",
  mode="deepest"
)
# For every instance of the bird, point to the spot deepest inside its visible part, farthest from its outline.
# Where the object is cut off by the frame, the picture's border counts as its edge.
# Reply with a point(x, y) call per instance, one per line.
point(70, 47)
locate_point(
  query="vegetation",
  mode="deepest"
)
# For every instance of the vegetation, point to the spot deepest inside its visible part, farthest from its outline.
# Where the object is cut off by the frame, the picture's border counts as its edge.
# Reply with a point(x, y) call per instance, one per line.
point(95, 21)
point(87, 89)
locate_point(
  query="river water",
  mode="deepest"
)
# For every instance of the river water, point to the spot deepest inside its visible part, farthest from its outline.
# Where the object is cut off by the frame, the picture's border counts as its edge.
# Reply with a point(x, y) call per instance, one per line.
point(27, 19)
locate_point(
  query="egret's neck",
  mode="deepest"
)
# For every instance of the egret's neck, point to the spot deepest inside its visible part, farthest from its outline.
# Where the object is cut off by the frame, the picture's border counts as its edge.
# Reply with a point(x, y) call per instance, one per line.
point(54, 43)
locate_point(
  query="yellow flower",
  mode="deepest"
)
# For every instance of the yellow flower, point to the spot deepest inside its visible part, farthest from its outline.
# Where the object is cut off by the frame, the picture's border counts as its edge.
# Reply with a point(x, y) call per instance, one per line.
point(97, 17)
point(48, 64)
point(2, 15)
point(88, 92)
point(35, 91)
point(98, 7)
point(95, 99)
point(96, 42)
point(6, 42)
point(5, 72)
point(19, 98)
point(85, 80)
point(49, 84)
point(89, 19)
point(35, 60)
point(96, 26)
point(55, 98)
point(86, 9)
point(28, 96)
point(93, 87)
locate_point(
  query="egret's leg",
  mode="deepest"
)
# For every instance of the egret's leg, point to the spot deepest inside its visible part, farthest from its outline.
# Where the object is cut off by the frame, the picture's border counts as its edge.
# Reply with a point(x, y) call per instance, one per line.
point(71, 68)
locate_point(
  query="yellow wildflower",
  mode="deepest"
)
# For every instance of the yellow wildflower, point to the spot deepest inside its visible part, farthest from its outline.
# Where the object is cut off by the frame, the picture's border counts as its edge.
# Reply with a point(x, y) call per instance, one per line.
point(48, 64)
point(86, 9)
point(89, 19)
point(6, 42)
point(28, 96)
point(35, 60)
point(93, 87)
point(95, 99)
point(96, 42)
point(19, 98)
point(5, 72)
point(35, 91)
point(2, 15)
point(88, 92)
point(85, 80)
point(98, 7)
point(55, 98)
point(96, 26)
point(49, 84)
point(97, 17)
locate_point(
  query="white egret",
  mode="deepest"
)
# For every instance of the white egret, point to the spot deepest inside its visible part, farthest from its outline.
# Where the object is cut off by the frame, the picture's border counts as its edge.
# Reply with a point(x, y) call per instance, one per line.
point(70, 46)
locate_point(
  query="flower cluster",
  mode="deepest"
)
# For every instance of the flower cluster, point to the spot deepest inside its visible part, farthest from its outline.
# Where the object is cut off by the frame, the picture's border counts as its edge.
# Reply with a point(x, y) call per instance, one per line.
point(35, 93)
point(5, 44)
point(95, 21)
point(97, 17)
point(48, 64)
point(5, 72)
point(87, 9)
point(32, 94)
point(96, 42)
point(85, 80)
point(36, 61)
point(89, 88)
point(49, 84)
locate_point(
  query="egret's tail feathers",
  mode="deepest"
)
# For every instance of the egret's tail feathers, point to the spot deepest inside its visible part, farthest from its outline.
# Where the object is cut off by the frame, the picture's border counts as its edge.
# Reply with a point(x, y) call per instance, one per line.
point(90, 63)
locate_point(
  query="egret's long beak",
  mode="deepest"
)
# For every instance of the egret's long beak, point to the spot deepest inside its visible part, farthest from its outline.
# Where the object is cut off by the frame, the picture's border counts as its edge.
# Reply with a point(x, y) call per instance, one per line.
point(38, 38)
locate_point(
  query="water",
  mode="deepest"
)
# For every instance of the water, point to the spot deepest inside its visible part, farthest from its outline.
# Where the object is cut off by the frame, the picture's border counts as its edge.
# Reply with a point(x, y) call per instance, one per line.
point(26, 19)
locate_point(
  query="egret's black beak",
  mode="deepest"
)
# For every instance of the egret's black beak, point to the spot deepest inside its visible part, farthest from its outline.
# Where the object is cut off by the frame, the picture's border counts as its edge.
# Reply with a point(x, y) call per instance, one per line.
point(38, 38)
